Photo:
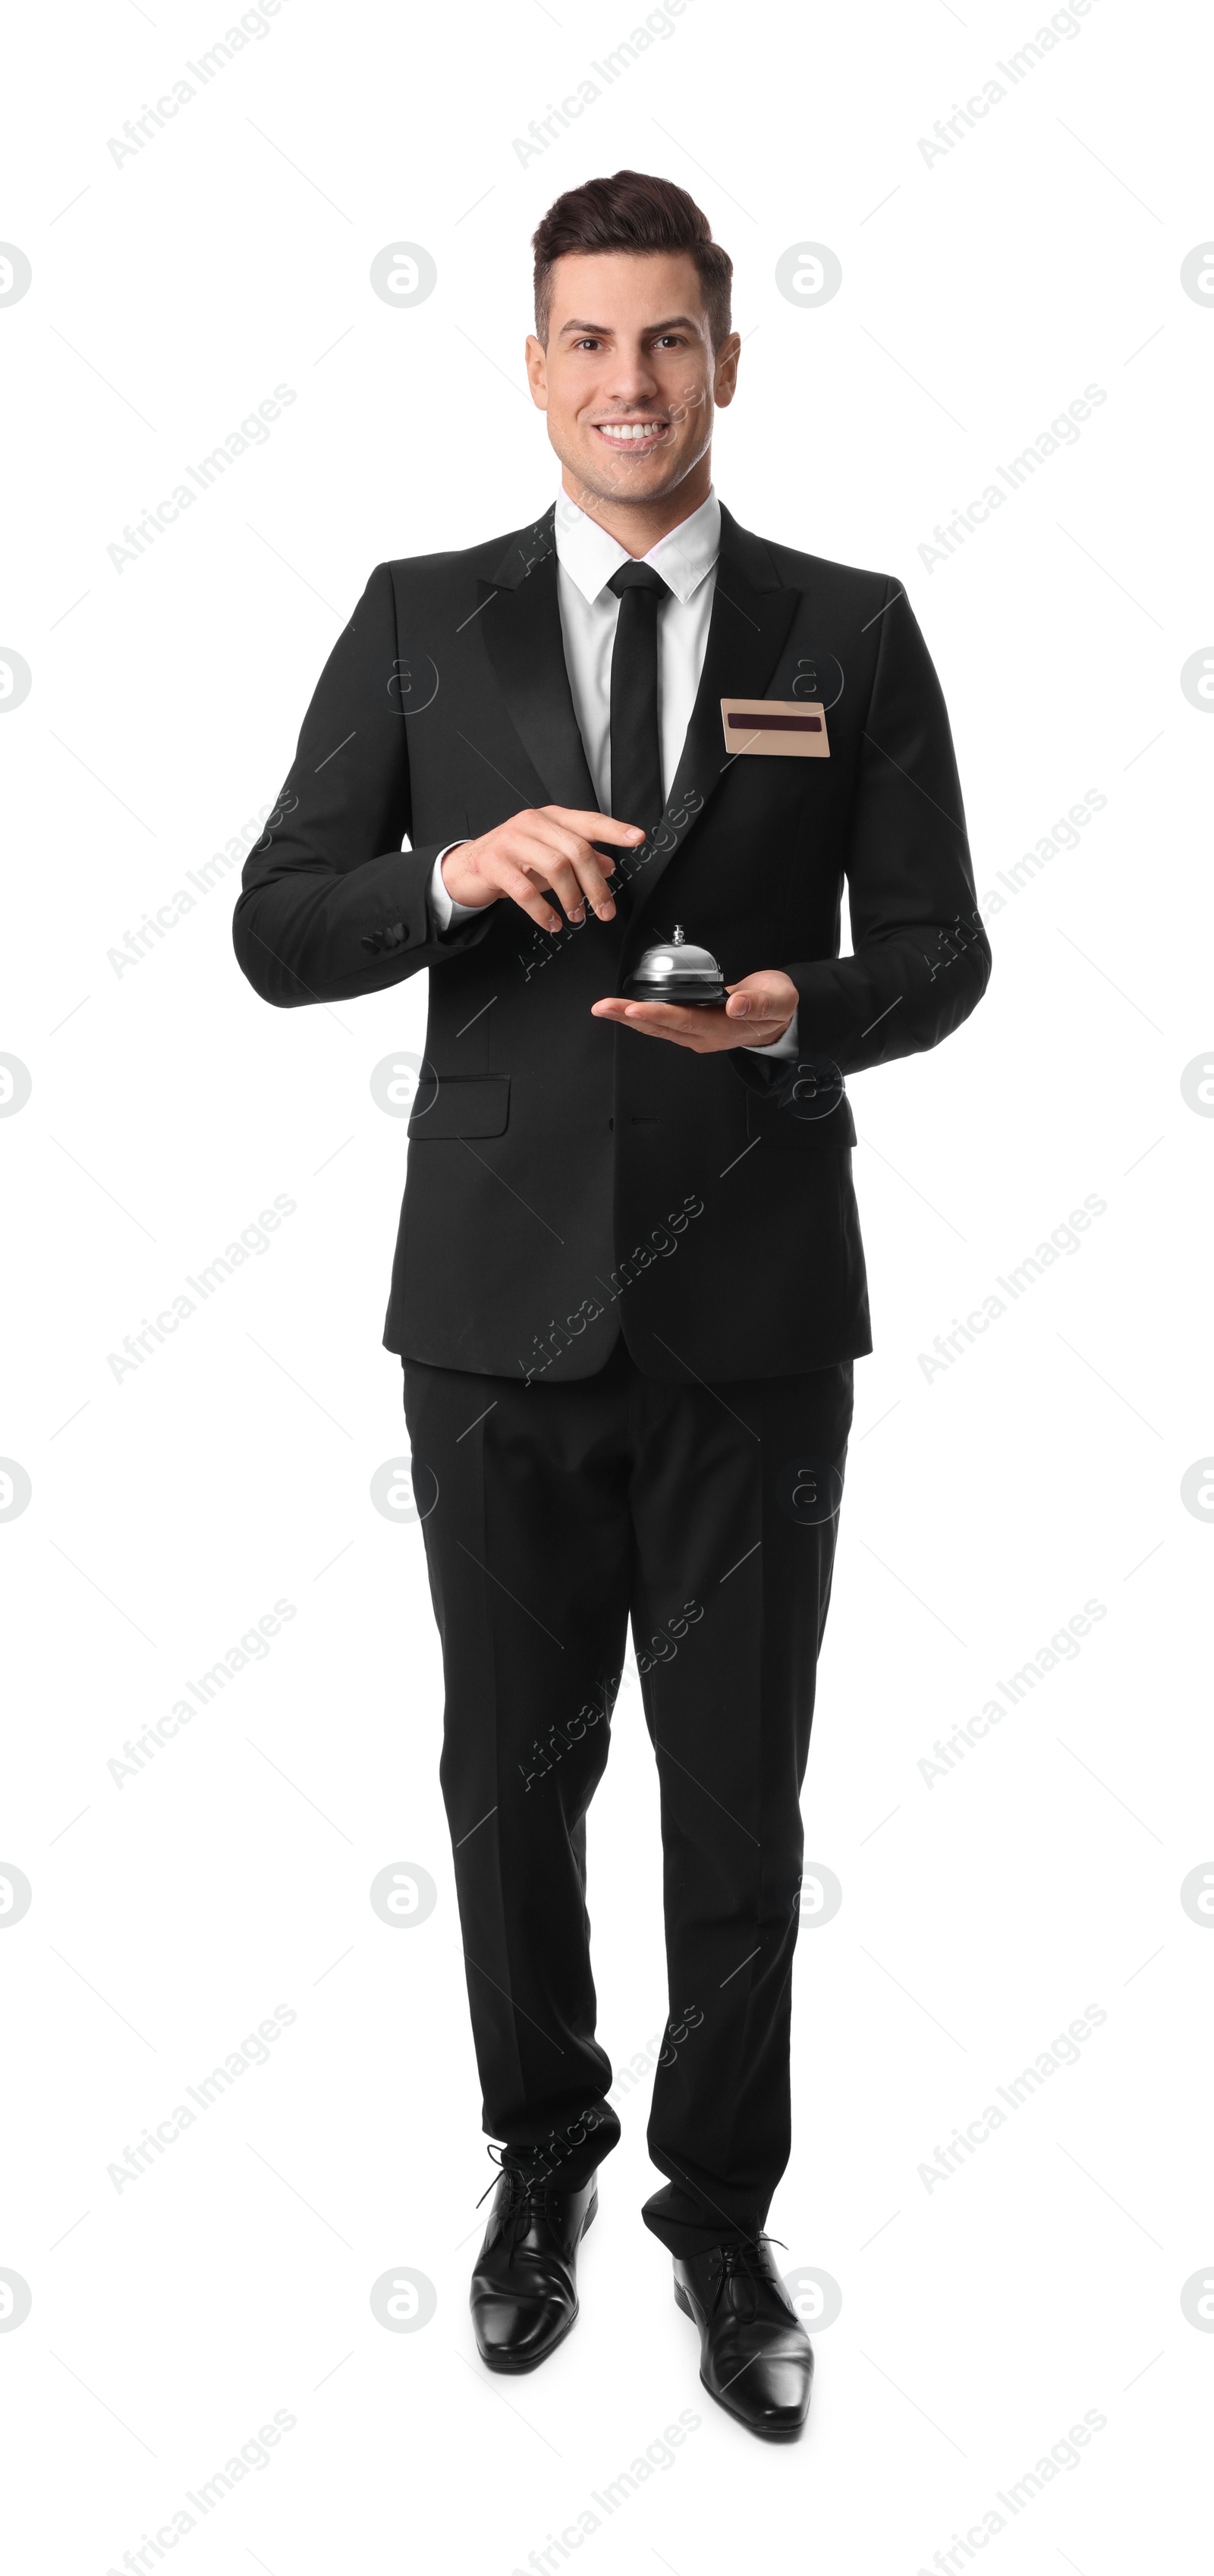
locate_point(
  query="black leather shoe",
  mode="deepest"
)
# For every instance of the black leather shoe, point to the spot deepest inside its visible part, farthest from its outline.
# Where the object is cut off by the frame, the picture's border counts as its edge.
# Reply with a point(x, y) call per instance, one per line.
point(524, 2288)
point(755, 2356)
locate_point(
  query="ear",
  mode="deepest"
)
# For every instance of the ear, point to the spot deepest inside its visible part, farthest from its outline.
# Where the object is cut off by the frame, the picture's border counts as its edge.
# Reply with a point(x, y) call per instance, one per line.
point(725, 371)
point(536, 362)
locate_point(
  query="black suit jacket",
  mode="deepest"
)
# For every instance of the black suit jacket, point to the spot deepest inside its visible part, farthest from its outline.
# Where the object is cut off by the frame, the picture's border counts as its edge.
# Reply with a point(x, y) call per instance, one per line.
point(568, 1178)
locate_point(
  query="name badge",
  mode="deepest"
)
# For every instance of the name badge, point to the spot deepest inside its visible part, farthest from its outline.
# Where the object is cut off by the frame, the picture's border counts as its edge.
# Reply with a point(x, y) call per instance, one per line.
point(776, 728)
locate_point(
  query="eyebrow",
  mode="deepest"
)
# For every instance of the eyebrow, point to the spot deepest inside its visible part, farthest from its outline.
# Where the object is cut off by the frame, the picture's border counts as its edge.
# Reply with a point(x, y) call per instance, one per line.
point(603, 331)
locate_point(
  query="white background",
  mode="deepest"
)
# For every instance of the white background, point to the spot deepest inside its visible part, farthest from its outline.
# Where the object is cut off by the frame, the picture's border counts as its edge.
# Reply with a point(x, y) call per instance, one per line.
point(981, 1912)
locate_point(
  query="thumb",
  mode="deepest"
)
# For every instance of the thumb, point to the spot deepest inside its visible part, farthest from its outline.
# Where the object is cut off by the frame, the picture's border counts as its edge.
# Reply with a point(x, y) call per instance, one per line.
point(748, 995)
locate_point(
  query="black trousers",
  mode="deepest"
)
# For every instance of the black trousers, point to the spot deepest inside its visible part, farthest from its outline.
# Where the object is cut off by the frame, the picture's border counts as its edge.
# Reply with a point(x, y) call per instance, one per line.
point(708, 1515)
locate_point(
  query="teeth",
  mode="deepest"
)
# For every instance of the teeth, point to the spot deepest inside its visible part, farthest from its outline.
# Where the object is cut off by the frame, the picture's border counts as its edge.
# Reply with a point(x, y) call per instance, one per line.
point(629, 428)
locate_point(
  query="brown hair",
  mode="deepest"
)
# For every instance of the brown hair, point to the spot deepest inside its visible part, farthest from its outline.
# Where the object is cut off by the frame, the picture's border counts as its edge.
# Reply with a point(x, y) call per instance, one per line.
point(632, 212)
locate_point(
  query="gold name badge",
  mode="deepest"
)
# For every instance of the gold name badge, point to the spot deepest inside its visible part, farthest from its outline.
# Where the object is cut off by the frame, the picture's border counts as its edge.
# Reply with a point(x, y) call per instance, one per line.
point(776, 728)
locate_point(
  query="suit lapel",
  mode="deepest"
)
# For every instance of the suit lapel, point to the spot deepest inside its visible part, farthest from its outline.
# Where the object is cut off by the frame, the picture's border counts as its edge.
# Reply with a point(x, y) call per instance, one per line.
point(520, 624)
point(751, 616)
point(521, 628)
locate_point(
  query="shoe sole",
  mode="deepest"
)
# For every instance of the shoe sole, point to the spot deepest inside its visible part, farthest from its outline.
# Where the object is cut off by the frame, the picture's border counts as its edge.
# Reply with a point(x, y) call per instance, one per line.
point(509, 2368)
point(764, 2432)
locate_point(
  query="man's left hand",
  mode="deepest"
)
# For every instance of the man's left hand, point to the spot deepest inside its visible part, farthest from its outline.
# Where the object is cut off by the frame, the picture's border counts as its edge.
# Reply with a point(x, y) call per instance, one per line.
point(757, 1012)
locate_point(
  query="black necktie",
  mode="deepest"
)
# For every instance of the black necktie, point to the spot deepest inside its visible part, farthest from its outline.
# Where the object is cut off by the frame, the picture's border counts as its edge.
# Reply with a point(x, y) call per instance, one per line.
point(636, 748)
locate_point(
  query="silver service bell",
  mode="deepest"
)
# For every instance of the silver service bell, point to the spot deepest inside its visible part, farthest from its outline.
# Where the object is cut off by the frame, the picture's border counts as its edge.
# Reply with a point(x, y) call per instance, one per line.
point(679, 972)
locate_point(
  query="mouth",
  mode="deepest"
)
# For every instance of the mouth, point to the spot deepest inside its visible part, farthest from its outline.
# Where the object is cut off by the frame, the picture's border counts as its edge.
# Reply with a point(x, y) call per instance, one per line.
point(632, 437)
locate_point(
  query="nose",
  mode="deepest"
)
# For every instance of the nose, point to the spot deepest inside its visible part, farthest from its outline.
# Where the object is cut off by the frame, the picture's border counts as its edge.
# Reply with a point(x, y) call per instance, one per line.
point(632, 382)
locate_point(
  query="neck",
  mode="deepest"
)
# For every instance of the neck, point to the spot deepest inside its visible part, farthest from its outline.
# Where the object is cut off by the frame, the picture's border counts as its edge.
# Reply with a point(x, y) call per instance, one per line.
point(638, 525)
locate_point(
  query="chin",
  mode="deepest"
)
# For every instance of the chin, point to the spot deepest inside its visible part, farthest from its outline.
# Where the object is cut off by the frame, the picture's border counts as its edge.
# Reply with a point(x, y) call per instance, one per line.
point(650, 480)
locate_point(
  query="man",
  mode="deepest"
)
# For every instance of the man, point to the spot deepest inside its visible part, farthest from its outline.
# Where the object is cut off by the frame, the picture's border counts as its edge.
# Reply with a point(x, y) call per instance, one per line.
point(629, 1284)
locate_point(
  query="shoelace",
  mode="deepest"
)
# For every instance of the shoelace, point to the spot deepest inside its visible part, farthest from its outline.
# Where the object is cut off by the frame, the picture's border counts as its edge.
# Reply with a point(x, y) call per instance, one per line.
point(738, 2263)
point(527, 2200)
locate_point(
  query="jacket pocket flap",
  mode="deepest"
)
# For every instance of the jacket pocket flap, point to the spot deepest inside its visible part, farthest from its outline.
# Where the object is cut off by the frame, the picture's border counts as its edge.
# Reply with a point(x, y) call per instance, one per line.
point(460, 1104)
point(833, 1134)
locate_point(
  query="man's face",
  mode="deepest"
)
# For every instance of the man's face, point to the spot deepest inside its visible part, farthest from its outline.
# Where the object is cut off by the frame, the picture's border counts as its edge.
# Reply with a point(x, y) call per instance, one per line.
point(629, 379)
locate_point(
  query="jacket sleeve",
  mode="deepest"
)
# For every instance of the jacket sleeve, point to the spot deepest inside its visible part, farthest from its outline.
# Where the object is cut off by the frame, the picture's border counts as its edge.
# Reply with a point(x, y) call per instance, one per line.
point(922, 957)
point(330, 905)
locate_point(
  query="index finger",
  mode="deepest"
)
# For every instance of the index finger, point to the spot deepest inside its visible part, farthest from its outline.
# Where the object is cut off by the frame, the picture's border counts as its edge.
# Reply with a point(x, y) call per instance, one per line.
point(596, 827)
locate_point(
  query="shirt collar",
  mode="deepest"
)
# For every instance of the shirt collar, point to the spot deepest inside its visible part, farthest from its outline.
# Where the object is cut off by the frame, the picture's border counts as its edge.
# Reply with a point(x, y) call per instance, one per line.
point(590, 556)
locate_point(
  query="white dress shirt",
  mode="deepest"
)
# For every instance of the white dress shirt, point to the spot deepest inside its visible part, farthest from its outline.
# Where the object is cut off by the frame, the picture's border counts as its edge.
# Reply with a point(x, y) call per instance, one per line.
point(586, 559)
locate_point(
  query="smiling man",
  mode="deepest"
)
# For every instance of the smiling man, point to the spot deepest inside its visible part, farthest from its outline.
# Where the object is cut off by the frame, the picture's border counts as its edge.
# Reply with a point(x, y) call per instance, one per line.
point(629, 1284)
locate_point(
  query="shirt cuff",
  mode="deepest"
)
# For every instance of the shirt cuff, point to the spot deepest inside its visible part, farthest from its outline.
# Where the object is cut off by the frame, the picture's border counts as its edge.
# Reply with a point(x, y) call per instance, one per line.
point(779, 1048)
point(444, 910)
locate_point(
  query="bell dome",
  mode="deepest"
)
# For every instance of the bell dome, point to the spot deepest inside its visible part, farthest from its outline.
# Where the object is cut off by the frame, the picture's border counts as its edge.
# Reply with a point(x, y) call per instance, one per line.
point(676, 970)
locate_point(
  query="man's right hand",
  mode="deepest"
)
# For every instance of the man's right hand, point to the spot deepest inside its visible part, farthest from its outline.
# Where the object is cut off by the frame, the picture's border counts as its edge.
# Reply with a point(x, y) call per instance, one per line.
point(543, 853)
